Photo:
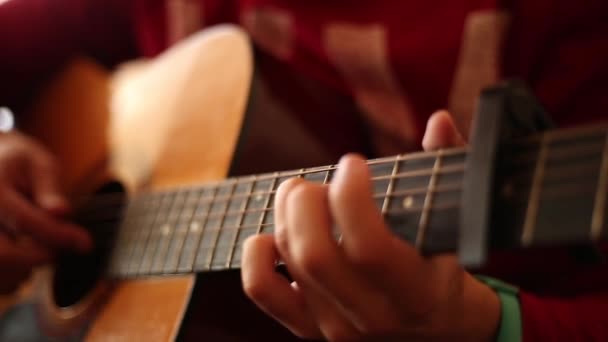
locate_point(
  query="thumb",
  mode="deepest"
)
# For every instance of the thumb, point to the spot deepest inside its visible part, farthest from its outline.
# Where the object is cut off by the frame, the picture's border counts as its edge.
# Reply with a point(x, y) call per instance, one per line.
point(441, 132)
point(46, 189)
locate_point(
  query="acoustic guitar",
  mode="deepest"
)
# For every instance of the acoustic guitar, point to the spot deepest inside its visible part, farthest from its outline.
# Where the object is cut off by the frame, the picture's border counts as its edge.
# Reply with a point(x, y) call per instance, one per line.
point(146, 153)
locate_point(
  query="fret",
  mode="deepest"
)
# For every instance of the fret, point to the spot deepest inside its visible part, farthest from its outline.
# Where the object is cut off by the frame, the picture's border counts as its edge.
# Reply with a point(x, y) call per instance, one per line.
point(128, 236)
point(284, 176)
point(250, 223)
point(447, 182)
point(244, 233)
point(235, 253)
point(319, 176)
point(326, 178)
point(257, 208)
point(389, 188)
point(599, 210)
point(170, 262)
point(428, 200)
point(411, 188)
point(403, 216)
point(440, 188)
point(210, 231)
point(441, 234)
point(196, 229)
point(532, 210)
point(381, 178)
point(118, 260)
point(426, 172)
point(422, 165)
point(182, 227)
point(172, 232)
point(143, 234)
point(572, 171)
point(229, 223)
point(179, 200)
point(565, 194)
point(267, 213)
point(212, 259)
point(159, 231)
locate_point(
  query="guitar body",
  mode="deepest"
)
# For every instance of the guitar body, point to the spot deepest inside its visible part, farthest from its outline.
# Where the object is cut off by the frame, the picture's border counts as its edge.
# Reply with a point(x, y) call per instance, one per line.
point(167, 122)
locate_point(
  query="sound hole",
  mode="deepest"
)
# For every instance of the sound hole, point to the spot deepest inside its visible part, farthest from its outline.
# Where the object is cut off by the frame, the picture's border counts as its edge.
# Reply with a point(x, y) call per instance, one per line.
point(77, 274)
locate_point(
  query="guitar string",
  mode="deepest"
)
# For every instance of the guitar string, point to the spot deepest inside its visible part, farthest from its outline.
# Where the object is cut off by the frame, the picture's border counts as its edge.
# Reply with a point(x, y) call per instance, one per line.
point(184, 230)
point(217, 246)
point(221, 248)
point(412, 192)
point(412, 210)
point(457, 169)
point(204, 229)
point(284, 174)
point(231, 232)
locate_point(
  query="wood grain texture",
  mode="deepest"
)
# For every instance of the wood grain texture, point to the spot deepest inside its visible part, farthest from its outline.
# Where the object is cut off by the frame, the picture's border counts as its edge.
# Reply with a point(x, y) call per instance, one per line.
point(143, 310)
point(181, 114)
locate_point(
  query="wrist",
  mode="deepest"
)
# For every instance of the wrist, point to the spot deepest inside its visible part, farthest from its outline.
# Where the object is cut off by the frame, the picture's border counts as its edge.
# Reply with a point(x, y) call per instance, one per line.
point(482, 311)
point(510, 326)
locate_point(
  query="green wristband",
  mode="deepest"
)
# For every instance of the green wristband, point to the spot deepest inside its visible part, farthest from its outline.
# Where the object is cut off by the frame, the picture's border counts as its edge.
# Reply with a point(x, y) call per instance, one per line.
point(510, 313)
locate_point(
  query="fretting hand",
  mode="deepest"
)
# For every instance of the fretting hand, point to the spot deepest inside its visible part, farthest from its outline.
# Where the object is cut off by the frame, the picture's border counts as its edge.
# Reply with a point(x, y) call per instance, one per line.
point(31, 207)
point(370, 286)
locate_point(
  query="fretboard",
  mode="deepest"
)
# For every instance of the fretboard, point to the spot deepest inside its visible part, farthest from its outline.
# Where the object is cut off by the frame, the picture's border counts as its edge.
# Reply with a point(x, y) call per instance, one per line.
point(558, 180)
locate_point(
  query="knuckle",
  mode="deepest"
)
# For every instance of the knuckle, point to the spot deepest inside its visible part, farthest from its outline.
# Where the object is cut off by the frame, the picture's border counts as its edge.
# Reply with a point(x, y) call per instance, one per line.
point(256, 289)
point(289, 183)
point(303, 333)
point(311, 261)
point(302, 191)
point(285, 189)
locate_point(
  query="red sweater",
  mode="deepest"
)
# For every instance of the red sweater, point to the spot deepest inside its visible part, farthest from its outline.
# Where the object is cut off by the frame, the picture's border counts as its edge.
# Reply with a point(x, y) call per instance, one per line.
point(394, 61)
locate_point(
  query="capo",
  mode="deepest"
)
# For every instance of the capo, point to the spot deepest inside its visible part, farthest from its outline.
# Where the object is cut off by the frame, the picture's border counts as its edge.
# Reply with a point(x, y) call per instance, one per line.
point(506, 111)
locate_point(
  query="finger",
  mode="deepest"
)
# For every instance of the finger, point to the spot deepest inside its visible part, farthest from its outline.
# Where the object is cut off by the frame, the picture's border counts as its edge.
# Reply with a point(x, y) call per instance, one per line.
point(21, 255)
point(41, 226)
point(441, 132)
point(16, 263)
point(280, 221)
point(364, 233)
point(46, 186)
point(315, 259)
point(326, 320)
point(328, 317)
point(394, 265)
point(271, 291)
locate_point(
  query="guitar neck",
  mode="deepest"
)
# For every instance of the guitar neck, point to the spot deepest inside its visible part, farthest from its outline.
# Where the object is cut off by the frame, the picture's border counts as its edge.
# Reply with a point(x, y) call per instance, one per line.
point(551, 189)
